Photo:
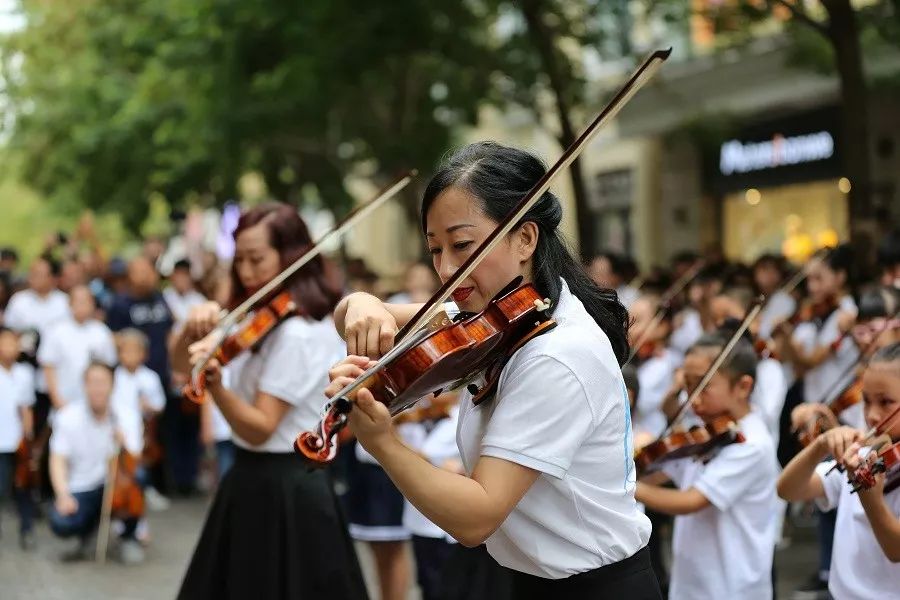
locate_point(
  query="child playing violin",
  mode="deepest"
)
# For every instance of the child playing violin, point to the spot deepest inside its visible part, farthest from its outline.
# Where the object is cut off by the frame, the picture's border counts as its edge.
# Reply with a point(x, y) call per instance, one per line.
point(723, 540)
point(656, 363)
point(867, 532)
point(548, 482)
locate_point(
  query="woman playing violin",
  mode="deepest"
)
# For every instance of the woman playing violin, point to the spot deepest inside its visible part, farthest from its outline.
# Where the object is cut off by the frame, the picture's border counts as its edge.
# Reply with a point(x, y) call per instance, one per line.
point(548, 459)
point(274, 529)
point(723, 541)
point(867, 531)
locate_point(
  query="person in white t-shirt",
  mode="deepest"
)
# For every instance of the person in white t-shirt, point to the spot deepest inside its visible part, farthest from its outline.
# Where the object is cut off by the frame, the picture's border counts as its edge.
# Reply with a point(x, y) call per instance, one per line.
point(769, 274)
point(270, 505)
point(41, 305)
point(548, 460)
point(85, 436)
point(724, 539)
point(16, 400)
point(867, 530)
point(181, 296)
point(70, 345)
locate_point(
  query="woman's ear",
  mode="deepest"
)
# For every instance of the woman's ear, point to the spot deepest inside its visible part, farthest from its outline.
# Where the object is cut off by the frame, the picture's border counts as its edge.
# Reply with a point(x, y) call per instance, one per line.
point(526, 239)
point(745, 384)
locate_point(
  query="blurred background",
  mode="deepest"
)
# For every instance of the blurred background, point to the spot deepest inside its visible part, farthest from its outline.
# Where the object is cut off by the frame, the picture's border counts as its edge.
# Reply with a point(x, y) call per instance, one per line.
point(773, 127)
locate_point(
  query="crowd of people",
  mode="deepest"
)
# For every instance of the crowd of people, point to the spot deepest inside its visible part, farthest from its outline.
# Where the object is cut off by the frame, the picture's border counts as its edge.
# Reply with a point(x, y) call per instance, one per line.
point(95, 352)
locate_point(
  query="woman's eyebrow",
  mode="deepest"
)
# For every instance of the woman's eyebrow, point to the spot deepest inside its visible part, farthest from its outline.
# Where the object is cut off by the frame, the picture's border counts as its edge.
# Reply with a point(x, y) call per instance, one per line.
point(452, 228)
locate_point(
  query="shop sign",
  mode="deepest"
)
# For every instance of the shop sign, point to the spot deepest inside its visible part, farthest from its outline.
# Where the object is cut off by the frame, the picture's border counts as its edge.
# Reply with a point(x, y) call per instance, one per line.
point(743, 157)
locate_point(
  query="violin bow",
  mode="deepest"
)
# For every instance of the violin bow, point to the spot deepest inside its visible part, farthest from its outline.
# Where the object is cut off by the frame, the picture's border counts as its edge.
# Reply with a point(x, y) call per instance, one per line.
point(676, 288)
point(716, 364)
point(351, 220)
point(406, 336)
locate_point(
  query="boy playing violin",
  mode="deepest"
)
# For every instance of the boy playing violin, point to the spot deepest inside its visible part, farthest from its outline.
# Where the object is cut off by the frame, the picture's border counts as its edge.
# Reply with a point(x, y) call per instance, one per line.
point(723, 540)
point(867, 532)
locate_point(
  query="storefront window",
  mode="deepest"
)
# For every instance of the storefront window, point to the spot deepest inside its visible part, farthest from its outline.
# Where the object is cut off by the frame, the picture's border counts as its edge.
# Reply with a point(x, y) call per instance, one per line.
point(795, 220)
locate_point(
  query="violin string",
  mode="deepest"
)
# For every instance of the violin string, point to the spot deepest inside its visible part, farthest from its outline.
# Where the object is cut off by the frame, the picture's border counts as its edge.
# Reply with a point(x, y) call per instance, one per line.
point(350, 221)
point(714, 367)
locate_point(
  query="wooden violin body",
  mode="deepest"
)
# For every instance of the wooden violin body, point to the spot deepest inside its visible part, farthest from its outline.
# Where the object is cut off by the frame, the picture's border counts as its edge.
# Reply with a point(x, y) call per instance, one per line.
point(27, 471)
point(694, 442)
point(441, 359)
point(127, 495)
point(249, 334)
point(887, 462)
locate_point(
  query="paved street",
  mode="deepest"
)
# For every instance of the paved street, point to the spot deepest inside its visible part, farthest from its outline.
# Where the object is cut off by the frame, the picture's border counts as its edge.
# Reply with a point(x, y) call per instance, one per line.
point(39, 575)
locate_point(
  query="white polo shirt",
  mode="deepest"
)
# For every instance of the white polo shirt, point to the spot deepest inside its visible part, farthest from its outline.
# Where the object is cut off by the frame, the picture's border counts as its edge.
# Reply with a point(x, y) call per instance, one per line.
point(69, 347)
point(859, 568)
point(16, 391)
point(27, 310)
point(655, 376)
point(291, 364)
point(85, 442)
point(725, 550)
point(562, 410)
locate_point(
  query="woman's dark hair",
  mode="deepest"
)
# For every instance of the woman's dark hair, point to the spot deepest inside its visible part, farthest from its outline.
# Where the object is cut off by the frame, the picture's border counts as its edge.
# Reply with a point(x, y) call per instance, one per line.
point(877, 302)
point(770, 259)
point(314, 291)
point(889, 250)
point(838, 259)
point(499, 177)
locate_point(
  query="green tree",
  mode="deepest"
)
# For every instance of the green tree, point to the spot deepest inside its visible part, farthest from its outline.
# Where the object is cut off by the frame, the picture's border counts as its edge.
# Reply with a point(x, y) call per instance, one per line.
point(111, 101)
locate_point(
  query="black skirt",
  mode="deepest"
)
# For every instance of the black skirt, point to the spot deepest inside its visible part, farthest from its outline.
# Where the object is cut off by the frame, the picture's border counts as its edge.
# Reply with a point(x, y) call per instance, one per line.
point(632, 578)
point(275, 530)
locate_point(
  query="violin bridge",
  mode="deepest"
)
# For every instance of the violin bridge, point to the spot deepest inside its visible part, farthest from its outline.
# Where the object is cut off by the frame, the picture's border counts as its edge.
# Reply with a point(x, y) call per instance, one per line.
point(441, 319)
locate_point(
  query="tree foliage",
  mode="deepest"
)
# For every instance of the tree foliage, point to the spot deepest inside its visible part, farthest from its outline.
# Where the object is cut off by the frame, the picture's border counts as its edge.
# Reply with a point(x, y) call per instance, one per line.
point(113, 101)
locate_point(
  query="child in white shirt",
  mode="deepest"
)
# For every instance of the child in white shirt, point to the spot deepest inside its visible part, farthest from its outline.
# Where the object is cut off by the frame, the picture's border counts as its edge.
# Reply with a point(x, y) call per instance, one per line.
point(867, 530)
point(723, 541)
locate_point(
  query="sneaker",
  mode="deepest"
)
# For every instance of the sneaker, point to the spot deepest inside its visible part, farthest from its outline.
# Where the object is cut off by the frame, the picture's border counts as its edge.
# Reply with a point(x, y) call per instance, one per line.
point(27, 541)
point(156, 501)
point(130, 552)
point(813, 589)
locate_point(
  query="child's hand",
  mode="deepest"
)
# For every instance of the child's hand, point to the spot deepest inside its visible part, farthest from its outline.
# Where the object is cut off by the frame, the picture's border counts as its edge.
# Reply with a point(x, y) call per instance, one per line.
point(838, 441)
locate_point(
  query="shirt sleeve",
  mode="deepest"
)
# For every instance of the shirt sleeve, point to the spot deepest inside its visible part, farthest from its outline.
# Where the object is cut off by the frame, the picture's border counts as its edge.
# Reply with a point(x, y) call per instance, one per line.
point(292, 367)
point(61, 437)
point(831, 483)
point(12, 317)
point(50, 351)
point(541, 417)
point(733, 472)
point(152, 388)
point(26, 388)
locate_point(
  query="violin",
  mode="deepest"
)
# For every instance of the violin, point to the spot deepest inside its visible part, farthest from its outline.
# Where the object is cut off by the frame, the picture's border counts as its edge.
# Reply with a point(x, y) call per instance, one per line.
point(269, 305)
point(249, 335)
point(851, 395)
point(886, 462)
point(127, 495)
point(153, 450)
point(445, 355)
point(441, 359)
point(648, 350)
point(27, 471)
point(697, 441)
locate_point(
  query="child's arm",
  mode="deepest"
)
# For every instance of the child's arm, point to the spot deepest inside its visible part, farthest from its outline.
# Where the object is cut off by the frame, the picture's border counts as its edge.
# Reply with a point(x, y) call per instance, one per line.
point(885, 524)
point(670, 502)
point(799, 481)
